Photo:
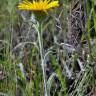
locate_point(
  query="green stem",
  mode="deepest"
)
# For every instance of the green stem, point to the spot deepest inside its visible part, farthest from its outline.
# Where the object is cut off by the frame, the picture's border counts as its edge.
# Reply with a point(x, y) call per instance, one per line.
point(89, 45)
point(42, 59)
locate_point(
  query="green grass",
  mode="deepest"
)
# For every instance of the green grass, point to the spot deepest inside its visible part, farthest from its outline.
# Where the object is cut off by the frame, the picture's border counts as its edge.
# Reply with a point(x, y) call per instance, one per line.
point(20, 58)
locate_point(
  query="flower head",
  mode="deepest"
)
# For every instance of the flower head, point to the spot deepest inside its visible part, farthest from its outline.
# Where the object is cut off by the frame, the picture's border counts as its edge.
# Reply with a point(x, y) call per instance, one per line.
point(38, 5)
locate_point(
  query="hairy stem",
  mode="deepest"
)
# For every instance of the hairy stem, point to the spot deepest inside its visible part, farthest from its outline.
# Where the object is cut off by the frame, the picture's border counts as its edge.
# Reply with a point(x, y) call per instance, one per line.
point(41, 53)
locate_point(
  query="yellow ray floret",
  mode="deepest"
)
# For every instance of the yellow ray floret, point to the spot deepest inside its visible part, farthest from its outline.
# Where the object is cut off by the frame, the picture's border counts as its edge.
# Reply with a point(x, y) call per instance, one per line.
point(41, 5)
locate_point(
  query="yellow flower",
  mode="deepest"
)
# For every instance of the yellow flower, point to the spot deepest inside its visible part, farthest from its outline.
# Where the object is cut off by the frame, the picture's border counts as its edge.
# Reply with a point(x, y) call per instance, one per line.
point(38, 5)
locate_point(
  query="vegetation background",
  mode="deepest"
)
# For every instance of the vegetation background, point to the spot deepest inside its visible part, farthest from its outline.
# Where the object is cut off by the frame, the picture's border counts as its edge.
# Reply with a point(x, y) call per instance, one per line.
point(69, 44)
